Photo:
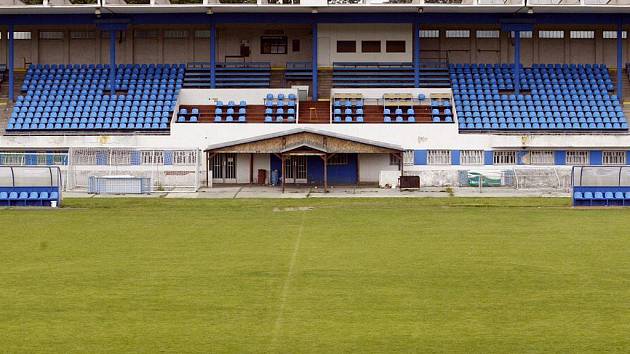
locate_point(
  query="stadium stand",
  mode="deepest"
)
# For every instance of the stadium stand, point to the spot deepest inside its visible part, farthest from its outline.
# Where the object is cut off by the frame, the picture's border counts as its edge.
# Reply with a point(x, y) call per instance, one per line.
point(371, 74)
point(229, 75)
point(569, 97)
point(75, 97)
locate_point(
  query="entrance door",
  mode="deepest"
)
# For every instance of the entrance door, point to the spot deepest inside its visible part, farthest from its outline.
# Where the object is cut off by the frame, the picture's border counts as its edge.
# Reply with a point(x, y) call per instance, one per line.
point(223, 168)
point(295, 170)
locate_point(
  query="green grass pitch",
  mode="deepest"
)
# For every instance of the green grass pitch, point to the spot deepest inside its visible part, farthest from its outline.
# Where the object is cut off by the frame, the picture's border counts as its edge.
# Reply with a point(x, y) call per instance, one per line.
point(346, 275)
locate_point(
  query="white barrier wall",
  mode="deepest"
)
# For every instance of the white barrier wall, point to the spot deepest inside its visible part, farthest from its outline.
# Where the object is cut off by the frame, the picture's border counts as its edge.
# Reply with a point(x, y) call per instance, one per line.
point(409, 136)
point(209, 97)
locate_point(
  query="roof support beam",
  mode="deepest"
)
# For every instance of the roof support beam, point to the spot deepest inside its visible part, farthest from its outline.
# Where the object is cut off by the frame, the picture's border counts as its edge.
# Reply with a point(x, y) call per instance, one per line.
point(11, 60)
point(620, 63)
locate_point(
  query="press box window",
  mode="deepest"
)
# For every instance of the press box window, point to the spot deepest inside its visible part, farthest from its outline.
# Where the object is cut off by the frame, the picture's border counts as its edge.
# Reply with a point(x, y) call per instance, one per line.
point(295, 45)
point(395, 46)
point(370, 46)
point(346, 46)
point(273, 45)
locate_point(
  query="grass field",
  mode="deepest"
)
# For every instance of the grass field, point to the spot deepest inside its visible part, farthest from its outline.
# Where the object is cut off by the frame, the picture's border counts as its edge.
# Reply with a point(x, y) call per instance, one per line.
point(351, 275)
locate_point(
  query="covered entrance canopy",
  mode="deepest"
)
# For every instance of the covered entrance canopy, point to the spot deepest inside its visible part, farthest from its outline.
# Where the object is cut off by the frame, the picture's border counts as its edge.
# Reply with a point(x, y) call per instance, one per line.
point(304, 142)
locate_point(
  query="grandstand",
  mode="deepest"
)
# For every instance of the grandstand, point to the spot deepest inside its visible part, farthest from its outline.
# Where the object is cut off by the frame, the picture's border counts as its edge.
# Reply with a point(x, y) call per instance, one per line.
point(367, 87)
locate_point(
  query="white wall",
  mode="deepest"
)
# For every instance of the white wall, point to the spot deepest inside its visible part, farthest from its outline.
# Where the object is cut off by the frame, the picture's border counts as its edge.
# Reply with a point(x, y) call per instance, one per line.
point(371, 165)
point(329, 34)
point(209, 97)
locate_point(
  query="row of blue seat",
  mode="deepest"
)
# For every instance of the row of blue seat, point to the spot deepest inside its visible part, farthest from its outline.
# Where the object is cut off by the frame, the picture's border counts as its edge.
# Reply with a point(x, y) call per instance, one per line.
point(23, 198)
point(599, 198)
point(543, 126)
point(89, 126)
point(280, 119)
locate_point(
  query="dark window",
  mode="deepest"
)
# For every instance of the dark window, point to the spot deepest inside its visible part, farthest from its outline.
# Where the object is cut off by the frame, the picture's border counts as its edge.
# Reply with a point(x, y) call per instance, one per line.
point(273, 45)
point(371, 46)
point(338, 159)
point(346, 47)
point(395, 46)
point(295, 45)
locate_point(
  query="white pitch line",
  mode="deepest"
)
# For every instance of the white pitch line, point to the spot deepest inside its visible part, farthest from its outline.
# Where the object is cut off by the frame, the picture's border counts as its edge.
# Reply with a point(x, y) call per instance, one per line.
point(285, 287)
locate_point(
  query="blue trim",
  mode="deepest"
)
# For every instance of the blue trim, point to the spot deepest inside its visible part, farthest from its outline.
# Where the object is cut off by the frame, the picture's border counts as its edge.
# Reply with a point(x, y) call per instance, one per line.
point(524, 25)
point(455, 154)
point(420, 157)
point(112, 62)
point(11, 64)
point(315, 41)
point(332, 17)
point(595, 157)
point(213, 55)
point(416, 55)
point(560, 157)
point(135, 157)
point(488, 157)
point(627, 157)
point(517, 62)
point(168, 158)
point(519, 157)
point(620, 63)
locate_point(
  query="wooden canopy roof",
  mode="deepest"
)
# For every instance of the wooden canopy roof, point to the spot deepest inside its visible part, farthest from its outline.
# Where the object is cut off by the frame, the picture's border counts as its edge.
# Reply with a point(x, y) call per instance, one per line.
point(304, 139)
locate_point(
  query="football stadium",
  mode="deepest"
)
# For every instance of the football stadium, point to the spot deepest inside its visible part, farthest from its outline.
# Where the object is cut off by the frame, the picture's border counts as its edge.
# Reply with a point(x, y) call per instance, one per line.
point(314, 176)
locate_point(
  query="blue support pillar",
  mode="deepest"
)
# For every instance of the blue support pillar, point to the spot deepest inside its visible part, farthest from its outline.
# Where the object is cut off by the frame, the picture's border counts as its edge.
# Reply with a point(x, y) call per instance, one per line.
point(315, 94)
point(517, 62)
point(11, 64)
point(112, 62)
point(213, 55)
point(416, 55)
point(620, 63)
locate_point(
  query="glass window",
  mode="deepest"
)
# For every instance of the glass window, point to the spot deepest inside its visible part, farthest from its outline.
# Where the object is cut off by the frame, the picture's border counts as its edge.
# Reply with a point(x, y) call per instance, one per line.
point(439, 157)
point(504, 158)
point(577, 158)
point(471, 157)
point(370, 46)
point(541, 157)
point(614, 158)
point(346, 46)
point(395, 46)
point(273, 45)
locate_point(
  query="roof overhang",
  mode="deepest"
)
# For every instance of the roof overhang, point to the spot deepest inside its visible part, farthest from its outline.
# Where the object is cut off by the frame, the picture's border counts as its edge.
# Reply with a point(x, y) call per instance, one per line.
point(304, 140)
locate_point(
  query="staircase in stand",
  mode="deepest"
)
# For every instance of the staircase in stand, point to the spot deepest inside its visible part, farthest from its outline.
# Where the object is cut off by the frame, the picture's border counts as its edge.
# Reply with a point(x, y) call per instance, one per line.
point(314, 112)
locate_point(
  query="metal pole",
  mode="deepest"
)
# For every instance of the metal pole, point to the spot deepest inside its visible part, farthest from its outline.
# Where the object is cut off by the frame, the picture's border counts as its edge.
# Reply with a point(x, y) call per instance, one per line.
point(416, 55)
point(517, 62)
point(112, 62)
point(11, 64)
point(620, 63)
point(315, 94)
point(213, 55)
